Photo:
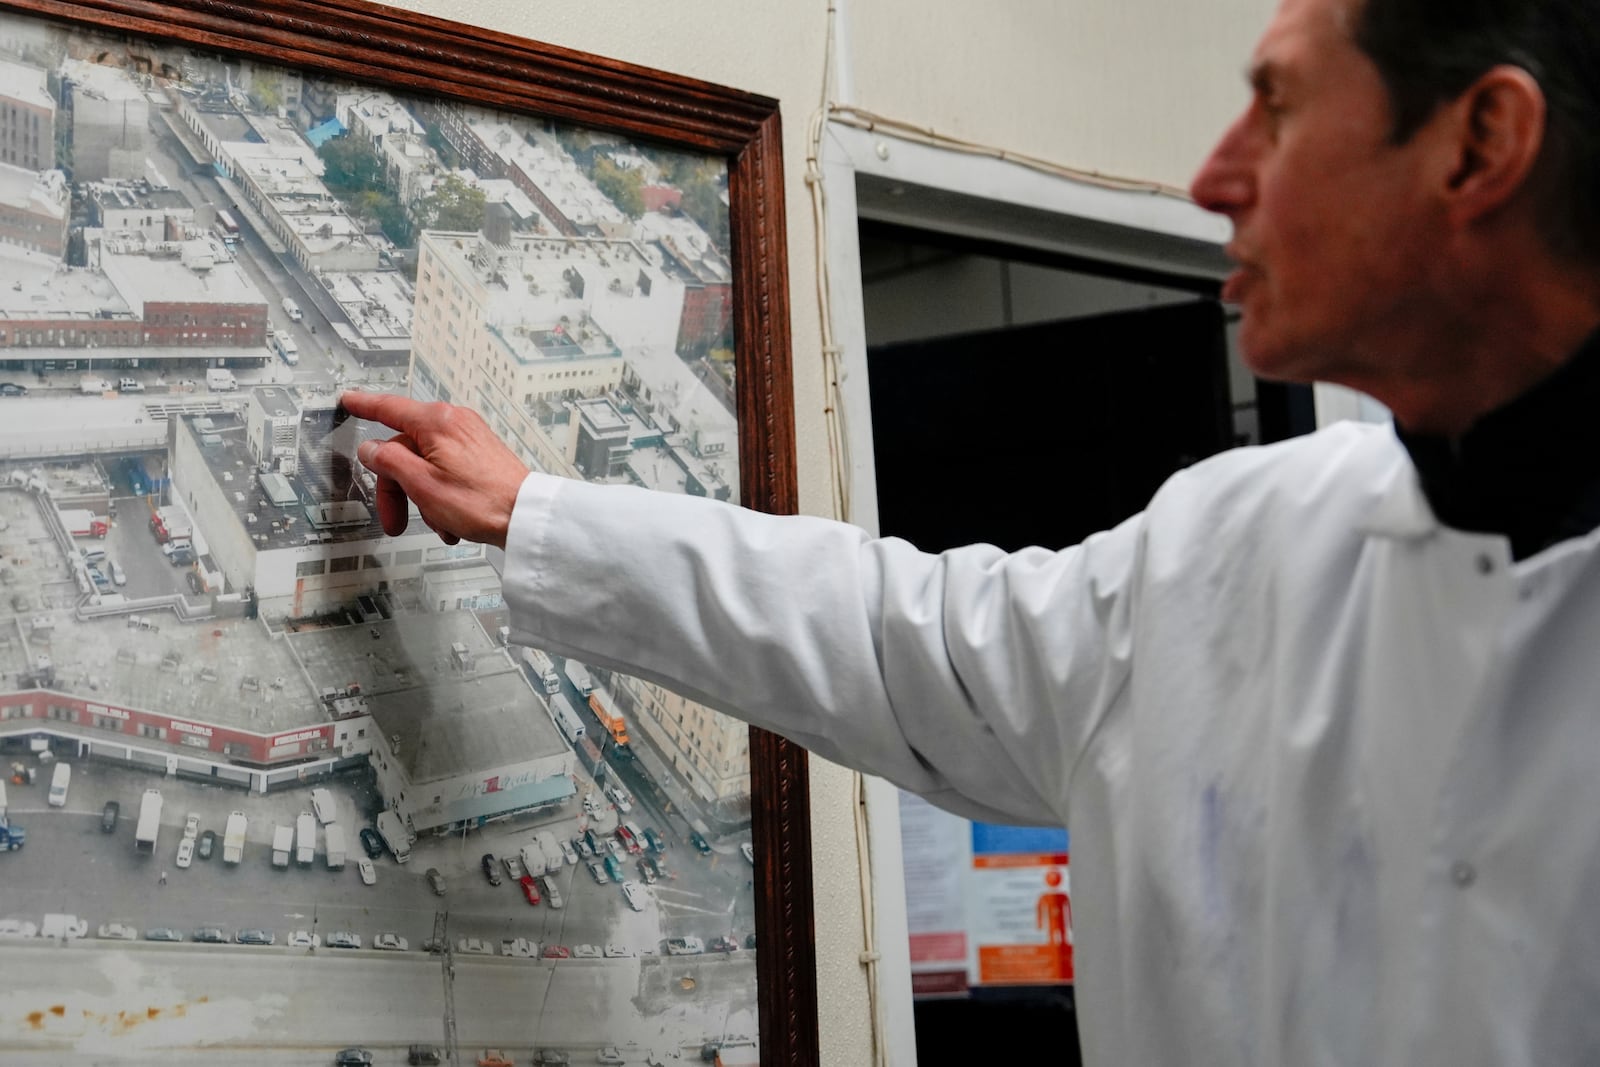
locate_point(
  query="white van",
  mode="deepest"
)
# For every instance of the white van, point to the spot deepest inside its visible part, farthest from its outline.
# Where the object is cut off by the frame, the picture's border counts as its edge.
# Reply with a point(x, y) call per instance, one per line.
point(60, 778)
point(221, 380)
point(291, 309)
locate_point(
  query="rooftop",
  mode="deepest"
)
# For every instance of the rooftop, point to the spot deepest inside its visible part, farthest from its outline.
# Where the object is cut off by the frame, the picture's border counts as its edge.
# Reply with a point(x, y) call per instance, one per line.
point(378, 303)
point(686, 248)
point(25, 83)
point(36, 286)
point(138, 196)
point(450, 721)
point(98, 80)
point(552, 172)
point(39, 192)
point(174, 272)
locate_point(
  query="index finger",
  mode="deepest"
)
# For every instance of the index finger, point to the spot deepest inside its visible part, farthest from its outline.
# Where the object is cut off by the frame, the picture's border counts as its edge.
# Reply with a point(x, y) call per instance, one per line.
point(396, 412)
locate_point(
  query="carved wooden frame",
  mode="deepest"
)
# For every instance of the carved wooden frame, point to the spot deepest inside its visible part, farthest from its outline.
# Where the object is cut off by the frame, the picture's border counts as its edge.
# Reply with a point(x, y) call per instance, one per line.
point(421, 54)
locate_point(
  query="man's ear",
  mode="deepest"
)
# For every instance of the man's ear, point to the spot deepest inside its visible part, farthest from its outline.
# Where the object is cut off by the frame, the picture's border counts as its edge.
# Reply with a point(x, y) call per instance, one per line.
point(1497, 129)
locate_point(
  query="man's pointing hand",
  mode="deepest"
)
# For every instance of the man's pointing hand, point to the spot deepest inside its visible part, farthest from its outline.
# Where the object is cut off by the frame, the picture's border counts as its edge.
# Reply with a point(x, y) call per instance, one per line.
point(443, 459)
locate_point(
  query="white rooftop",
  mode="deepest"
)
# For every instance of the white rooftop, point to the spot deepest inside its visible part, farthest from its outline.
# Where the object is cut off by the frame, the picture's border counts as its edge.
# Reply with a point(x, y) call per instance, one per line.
point(377, 302)
point(553, 172)
point(36, 286)
point(155, 272)
point(685, 240)
point(379, 112)
point(27, 84)
point(40, 192)
point(95, 79)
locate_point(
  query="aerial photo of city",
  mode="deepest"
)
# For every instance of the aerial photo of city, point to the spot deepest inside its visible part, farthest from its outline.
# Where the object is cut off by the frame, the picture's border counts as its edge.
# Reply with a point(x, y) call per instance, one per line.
point(276, 788)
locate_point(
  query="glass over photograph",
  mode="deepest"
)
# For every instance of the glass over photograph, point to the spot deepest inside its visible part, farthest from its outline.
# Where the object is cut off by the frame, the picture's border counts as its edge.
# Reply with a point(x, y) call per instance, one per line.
point(277, 788)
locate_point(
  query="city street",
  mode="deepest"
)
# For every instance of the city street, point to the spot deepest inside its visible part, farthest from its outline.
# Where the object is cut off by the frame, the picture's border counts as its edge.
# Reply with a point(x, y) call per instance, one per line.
point(141, 1002)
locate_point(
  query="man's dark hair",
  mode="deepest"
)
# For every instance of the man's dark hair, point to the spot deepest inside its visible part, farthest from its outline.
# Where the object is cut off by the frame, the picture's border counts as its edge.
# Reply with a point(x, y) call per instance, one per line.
point(1430, 51)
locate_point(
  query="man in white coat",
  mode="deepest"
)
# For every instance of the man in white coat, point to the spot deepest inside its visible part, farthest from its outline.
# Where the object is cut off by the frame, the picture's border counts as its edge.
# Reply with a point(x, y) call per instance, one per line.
point(1324, 719)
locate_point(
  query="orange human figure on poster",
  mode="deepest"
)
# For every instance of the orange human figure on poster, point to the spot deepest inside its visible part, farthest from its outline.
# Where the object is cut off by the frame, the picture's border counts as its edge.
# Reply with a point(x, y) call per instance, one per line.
point(1055, 910)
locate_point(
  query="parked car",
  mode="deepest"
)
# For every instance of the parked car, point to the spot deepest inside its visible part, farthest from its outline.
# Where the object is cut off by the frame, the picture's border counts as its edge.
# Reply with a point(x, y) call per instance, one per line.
point(371, 843)
point(302, 939)
point(530, 888)
point(513, 868)
point(424, 1054)
point(474, 946)
point(196, 586)
point(254, 937)
point(13, 389)
point(549, 1057)
point(185, 852)
point(698, 840)
point(129, 385)
point(435, 881)
point(491, 868)
point(594, 841)
point(556, 952)
point(653, 866)
point(519, 948)
point(210, 935)
point(162, 933)
point(568, 853)
point(108, 816)
point(368, 875)
point(609, 1055)
point(493, 1057)
point(598, 872)
point(647, 872)
point(117, 932)
point(582, 847)
point(685, 946)
point(352, 1057)
point(585, 952)
point(655, 840)
point(620, 799)
point(722, 944)
point(342, 939)
point(390, 942)
point(118, 575)
point(433, 946)
point(207, 845)
point(629, 842)
point(617, 952)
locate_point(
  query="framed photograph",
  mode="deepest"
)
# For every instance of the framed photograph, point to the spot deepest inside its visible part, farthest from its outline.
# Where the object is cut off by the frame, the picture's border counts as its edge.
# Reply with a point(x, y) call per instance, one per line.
point(278, 788)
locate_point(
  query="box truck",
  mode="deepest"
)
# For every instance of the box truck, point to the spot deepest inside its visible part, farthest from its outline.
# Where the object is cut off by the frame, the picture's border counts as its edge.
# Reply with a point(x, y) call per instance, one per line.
point(394, 835)
point(334, 838)
point(533, 858)
point(322, 804)
point(144, 835)
point(233, 838)
point(282, 845)
point(305, 838)
point(83, 523)
point(543, 669)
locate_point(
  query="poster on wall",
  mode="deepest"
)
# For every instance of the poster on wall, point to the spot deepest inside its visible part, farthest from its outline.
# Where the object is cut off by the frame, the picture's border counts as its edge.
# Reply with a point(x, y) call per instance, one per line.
point(276, 787)
point(986, 905)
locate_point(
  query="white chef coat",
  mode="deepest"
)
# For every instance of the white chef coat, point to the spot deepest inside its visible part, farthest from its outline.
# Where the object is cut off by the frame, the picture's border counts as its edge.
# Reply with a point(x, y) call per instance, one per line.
point(1330, 768)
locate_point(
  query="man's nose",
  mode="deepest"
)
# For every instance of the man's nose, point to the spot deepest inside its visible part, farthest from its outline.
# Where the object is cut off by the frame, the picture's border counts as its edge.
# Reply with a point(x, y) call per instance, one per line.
point(1225, 182)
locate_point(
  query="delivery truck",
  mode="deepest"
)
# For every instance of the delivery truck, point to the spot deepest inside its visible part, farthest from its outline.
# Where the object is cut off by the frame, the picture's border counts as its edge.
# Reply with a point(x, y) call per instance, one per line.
point(305, 838)
point(394, 835)
point(333, 837)
point(553, 859)
point(322, 804)
point(233, 838)
point(282, 845)
point(60, 779)
point(144, 835)
point(81, 522)
point(170, 524)
point(533, 858)
point(543, 669)
point(579, 676)
point(219, 380)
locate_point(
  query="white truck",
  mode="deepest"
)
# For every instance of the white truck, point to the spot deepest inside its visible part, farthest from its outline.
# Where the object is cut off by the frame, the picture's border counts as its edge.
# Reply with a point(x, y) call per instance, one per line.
point(80, 522)
point(144, 835)
point(533, 858)
point(233, 838)
point(282, 845)
point(578, 675)
point(305, 838)
point(334, 839)
point(60, 779)
point(221, 380)
point(394, 835)
point(94, 386)
point(61, 927)
point(553, 859)
point(543, 669)
point(322, 804)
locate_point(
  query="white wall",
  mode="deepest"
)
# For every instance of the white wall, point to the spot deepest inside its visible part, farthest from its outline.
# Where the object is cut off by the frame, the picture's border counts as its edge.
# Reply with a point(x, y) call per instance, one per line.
point(1135, 87)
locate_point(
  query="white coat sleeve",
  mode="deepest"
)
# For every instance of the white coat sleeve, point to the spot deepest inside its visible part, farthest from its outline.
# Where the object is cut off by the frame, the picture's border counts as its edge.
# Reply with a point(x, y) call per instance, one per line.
point(973, 677)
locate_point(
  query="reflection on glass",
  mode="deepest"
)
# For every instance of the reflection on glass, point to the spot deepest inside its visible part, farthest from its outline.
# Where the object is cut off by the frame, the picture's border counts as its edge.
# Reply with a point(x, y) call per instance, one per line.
point(277, 789)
